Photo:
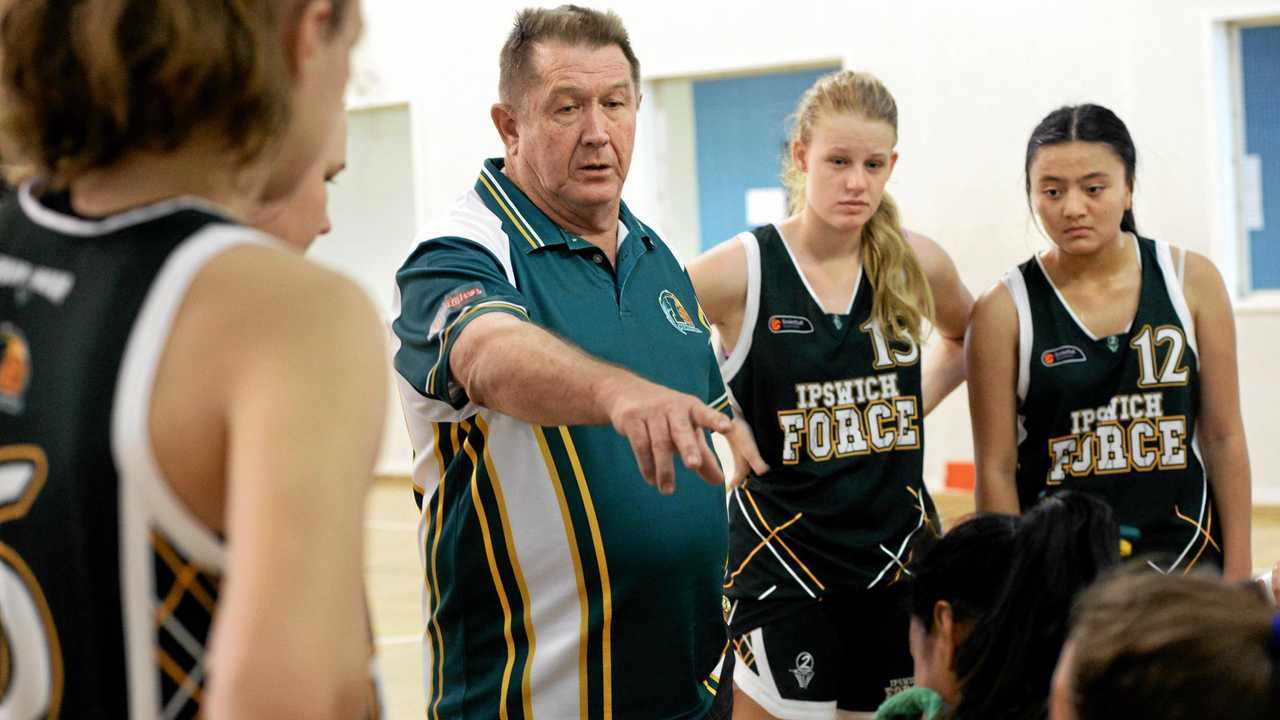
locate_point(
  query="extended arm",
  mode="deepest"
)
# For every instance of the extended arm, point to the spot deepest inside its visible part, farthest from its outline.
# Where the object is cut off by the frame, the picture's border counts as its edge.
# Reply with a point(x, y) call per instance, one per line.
point(521, 370)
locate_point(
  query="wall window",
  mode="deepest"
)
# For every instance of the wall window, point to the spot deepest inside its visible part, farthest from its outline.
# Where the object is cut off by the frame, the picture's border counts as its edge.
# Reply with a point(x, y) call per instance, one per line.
point(1259, 180)
point(741, 131)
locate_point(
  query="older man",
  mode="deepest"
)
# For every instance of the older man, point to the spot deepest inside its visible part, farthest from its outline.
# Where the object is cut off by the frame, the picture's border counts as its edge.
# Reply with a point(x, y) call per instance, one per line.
point(552, 361)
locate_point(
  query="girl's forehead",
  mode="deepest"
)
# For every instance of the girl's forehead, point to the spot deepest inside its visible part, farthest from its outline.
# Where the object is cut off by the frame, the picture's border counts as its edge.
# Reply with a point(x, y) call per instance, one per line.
point(1079, 157)
point(837, 127)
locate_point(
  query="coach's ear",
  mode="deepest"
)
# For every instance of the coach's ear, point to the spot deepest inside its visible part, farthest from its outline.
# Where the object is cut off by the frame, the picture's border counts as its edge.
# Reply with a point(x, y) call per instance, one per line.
point(504, 119)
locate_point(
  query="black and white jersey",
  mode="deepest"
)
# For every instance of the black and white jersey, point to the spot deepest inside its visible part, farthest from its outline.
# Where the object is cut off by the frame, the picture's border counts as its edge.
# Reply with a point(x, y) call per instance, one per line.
point(836, 412)
point(1116, 416)
point(108, 584)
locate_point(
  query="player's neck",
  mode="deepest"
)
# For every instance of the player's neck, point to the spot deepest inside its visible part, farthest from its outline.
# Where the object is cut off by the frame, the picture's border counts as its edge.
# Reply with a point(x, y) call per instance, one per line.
point(816, 241)
point(194, 170)
point(1112, 259)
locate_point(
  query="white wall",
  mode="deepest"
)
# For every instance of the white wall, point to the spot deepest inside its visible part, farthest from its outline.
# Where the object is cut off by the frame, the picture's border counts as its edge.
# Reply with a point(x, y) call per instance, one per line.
point(371, 209)
point(971, 80)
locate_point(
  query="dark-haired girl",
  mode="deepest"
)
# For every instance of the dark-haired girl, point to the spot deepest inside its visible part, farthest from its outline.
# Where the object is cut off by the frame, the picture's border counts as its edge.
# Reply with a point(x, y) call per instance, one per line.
point(1061, 546)
point(1107, 364)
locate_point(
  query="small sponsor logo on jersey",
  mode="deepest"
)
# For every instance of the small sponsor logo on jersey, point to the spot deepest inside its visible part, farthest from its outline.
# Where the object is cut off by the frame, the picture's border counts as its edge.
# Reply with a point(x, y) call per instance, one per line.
point(781, 324)
point(15, 369)
point(803, 671)
point(1113, 342)
point(1062, 356)
point(455, 299)
point(674, 310)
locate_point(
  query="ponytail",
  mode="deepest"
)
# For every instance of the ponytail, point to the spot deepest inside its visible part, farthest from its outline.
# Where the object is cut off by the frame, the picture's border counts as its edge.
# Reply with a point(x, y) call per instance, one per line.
point(903, 300)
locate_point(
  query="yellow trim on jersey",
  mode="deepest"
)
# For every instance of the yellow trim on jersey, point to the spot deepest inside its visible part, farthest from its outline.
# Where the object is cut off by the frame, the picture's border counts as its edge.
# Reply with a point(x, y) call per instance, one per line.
point(179, 676)
point(511, 216)
point(584, 627)
point(444, 335)
point(1204, 530)
point(782, 542)
point(184, 580)
point(606, 593)
point(494, 573)
point(710, 689)
point(773, 533)
point(438, 689)
point(515, 568)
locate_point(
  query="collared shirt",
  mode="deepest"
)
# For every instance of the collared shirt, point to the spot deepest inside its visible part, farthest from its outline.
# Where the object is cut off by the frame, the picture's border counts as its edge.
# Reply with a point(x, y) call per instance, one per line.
point(559, 584)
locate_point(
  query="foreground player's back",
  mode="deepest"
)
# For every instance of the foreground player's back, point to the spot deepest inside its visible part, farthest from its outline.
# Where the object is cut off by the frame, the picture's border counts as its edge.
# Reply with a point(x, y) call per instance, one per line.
point(188, 414)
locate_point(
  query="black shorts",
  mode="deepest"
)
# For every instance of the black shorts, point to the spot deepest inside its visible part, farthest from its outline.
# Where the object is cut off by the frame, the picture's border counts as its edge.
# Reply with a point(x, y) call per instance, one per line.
point(806, 659)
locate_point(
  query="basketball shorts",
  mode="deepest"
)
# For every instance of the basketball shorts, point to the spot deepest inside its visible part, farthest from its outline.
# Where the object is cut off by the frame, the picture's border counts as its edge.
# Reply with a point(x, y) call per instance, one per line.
point(807, 659)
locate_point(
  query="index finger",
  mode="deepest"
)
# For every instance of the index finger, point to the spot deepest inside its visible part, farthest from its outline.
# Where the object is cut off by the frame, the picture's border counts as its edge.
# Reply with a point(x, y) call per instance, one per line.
point(705, 416)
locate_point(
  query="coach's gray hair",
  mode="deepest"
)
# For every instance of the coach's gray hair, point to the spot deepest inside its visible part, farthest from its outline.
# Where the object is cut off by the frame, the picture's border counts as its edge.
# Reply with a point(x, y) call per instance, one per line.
point(569, 24)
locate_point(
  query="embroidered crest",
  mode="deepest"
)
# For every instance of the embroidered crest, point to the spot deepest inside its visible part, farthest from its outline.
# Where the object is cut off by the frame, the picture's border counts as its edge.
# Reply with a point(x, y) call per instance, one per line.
point(803, 671)
point(674, 310)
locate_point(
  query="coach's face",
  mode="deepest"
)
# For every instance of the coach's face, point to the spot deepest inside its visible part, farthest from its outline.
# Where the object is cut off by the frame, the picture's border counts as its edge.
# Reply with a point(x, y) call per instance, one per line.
point(575, 126)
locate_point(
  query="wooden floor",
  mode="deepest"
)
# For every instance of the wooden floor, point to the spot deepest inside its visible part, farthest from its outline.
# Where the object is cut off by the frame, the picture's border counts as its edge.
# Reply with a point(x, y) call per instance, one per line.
point(395, 582)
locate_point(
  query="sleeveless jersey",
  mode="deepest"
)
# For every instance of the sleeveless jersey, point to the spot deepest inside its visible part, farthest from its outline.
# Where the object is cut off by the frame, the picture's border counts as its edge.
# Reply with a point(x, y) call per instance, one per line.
point(108, 585)
point(1116, 416)
point(836, 413)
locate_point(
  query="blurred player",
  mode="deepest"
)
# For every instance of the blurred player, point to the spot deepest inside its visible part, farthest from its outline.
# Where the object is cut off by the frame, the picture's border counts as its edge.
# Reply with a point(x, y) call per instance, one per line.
point(189, 413)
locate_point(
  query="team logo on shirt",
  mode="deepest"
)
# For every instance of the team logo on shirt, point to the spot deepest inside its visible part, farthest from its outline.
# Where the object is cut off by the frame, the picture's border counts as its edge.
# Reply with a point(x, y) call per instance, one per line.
point(15, 369)
point(781, 324)
point(676, 314)
point(803, 671)
point(1113, 342)
point(1062, 356)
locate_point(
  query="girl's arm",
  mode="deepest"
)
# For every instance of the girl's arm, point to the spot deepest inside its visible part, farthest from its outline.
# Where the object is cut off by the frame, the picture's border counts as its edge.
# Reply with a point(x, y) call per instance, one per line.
point(1221, 428)
point(991, 354)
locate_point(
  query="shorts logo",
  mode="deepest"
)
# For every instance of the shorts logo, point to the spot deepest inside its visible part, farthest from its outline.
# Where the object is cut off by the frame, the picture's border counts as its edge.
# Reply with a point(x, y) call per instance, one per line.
point(676, 314)
point(15, 369)
point(779, 324)
point(1062, 356)
point(803, 670)
point(897, 686)
point(456, 298)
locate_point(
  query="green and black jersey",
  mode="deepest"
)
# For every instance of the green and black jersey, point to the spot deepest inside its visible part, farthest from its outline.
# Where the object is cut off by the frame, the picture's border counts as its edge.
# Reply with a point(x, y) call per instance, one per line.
point(1116, 416)
point(836, 412)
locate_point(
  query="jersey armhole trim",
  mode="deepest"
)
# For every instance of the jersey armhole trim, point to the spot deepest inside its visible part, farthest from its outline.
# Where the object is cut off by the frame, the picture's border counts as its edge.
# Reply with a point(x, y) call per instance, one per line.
point(1173, 283)
point(1017, 286)
point(130, 423)
point(751, 310)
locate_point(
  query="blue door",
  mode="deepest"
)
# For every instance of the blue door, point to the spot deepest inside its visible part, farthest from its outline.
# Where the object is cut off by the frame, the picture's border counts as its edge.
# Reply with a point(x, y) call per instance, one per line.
point(1260, 63)
point(741, 136)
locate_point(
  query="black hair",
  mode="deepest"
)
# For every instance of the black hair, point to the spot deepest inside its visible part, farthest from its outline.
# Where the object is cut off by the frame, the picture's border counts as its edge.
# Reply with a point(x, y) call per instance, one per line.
point(1087, 123)
point(966, 567)
point(1061, 546)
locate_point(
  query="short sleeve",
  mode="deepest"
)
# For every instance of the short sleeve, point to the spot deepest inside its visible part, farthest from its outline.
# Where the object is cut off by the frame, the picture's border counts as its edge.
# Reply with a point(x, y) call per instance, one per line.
point(444, 285)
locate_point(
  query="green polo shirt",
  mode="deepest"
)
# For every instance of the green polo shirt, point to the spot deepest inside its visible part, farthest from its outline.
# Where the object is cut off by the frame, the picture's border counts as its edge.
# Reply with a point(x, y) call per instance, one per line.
point(558, 583)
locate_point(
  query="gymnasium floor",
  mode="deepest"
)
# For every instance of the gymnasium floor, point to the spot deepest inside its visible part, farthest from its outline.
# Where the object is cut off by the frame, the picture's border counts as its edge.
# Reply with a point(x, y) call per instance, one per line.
point(394, 580)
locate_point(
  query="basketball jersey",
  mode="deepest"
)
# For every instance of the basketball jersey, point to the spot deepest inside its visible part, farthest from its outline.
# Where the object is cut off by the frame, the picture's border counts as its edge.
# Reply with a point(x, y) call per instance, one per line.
point(1116, 416)
point(108, 584)
point(836, 413)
